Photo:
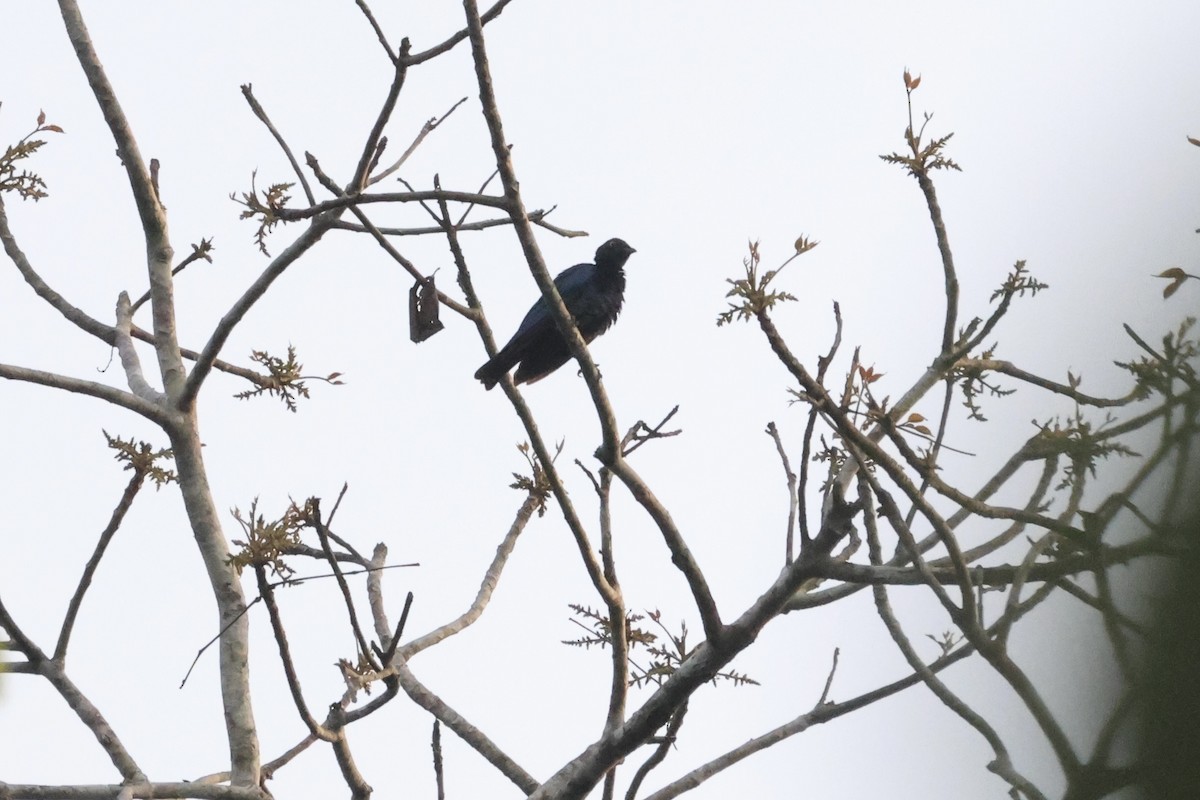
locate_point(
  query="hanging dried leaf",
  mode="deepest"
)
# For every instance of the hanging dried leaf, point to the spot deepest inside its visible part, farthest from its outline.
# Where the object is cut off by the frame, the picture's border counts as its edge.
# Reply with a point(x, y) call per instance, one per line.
point(423, 308)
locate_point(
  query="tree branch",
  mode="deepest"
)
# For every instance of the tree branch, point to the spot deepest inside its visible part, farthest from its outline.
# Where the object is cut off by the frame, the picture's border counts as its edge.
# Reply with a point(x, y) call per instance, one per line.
point(490, 579)
point(151, 212)
point(103, 332)
point(465, 730)
point(88, 714)
point(109, 394)
point(220, 334)
point(85, 580)
point(445, 46)
point(129, 357)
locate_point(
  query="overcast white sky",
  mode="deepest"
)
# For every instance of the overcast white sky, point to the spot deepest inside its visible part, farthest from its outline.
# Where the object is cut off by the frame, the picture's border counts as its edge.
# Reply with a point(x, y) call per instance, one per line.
point(684, 128)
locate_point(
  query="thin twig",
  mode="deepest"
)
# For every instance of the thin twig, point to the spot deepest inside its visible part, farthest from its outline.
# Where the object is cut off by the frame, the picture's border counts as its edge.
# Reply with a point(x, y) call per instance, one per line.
point(438, 49)
point(285, 656)
point(261, 113)
point(474, 737)
point(1013, 371)
point(323, 535)
point(1002, 763)
point(829, 680)
point(370, 151)
point(387, 48)
point(486, 587)
point(660, 752)
point(242, 306)
point(429, 127)
point(76, 700)
point(438, 774)
point(773, 432)
point(85, 580)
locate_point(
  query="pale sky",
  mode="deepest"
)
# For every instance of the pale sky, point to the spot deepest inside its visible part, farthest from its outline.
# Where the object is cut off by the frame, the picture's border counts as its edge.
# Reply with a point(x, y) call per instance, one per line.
point(687, 130)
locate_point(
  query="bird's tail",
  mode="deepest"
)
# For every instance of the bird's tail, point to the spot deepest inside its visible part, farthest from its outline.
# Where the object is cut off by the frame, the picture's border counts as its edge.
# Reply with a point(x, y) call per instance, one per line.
point(496, 368)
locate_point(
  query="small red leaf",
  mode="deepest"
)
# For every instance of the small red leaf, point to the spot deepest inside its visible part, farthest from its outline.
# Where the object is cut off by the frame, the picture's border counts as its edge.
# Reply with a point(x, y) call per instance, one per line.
point(41, 118)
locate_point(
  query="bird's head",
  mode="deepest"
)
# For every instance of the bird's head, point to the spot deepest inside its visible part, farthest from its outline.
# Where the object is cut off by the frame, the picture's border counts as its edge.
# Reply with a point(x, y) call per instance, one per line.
point(613, 253)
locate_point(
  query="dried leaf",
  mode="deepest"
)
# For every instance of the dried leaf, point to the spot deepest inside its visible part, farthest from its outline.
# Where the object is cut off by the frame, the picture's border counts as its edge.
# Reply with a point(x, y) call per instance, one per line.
point(1177, 276)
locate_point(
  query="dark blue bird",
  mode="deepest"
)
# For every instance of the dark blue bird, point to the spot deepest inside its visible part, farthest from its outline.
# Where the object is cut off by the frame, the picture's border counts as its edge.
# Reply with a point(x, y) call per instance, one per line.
point(593, 293)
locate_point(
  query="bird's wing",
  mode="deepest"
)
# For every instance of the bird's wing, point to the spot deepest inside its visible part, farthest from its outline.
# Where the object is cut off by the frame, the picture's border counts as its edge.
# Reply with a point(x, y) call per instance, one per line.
point(571, 283)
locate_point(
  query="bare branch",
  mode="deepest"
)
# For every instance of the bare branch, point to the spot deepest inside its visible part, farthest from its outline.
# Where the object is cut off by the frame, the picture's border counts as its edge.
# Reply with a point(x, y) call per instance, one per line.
point(681, 554)
point(1002, 764)
point(793, 504)
point(438, 49)
point(536, 217)
point(1012, 370)
point(660, 752)
point(314, 518)
point(85, 580)
point(88, 714)
point(821, 713)
point(408, 266)
point(705, 661)
point(199, 252)
point(490, 579)
point(145, 195)
point(138, 791)
point(998, 575)
point(267, 593)
point(103, 332)
point(348, 200)
point(465, 730)
point(829, 680)
point(371, 149)
point(129, 357)
point(220, 334)
point(261, 113)
point(387, 48)
point(436, 745)
point(375, 591)
point(109, 394)
point(429, 127)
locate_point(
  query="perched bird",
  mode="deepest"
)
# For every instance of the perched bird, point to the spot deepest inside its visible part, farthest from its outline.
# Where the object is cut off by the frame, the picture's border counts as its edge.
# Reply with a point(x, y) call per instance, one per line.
point(593, 294)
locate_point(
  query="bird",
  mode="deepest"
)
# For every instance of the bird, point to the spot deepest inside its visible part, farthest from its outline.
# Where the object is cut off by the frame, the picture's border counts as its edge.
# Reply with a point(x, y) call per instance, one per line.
point(593, 294)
